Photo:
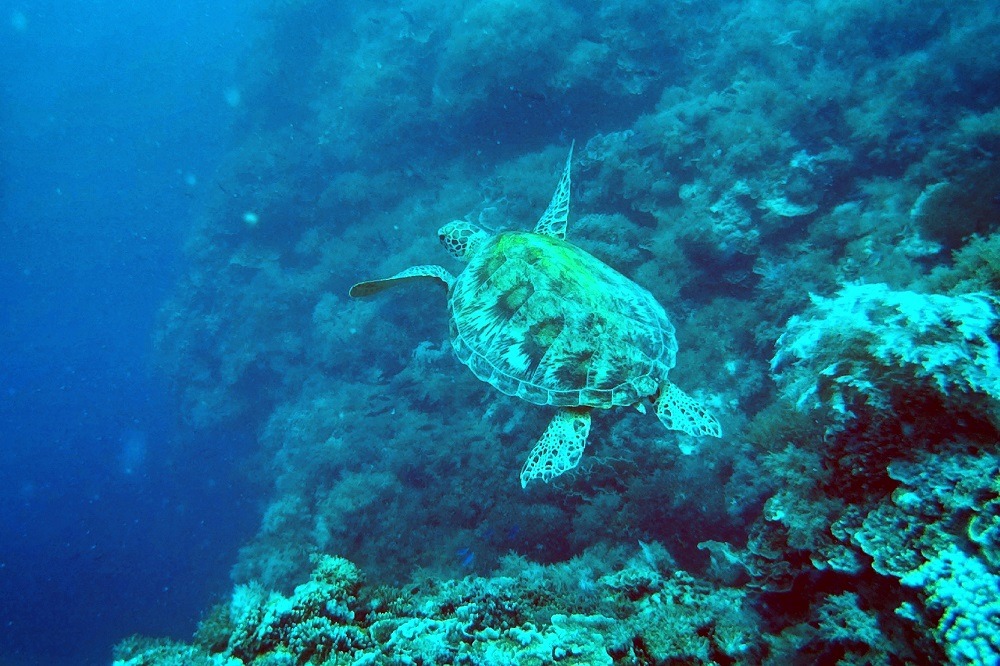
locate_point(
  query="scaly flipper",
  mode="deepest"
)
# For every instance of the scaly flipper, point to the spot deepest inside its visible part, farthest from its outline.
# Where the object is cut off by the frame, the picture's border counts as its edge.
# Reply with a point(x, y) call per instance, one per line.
point(679, 411)
point(416, 273)
point(560, 446)
point(553, 220)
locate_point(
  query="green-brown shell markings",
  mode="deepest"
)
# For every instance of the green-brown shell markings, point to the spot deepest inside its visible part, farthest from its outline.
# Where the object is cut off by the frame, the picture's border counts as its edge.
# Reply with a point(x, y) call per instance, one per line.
point(543, 320)
point(542, 312)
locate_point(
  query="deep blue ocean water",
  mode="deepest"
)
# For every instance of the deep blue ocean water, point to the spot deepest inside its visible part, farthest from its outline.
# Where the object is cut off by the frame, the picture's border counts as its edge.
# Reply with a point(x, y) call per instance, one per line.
point(194, 411)
point(111, 118)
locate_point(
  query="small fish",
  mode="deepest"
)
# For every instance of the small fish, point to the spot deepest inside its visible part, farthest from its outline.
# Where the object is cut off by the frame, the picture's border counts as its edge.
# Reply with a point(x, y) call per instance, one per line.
point(531, 95)
point(468, 557)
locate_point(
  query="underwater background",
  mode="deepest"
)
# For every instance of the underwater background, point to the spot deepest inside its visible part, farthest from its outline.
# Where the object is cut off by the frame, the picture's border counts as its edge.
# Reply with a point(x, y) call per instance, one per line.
point(112, 118)
point(212, 455)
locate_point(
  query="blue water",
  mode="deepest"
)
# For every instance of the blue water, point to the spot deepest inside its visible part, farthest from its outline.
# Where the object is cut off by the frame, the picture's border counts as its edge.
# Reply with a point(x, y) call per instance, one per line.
point(190, 401)
point(111, 119)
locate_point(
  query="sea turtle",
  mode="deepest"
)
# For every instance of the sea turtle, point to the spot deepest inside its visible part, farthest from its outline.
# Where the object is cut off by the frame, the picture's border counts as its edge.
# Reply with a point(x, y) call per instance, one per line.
point(543, 320)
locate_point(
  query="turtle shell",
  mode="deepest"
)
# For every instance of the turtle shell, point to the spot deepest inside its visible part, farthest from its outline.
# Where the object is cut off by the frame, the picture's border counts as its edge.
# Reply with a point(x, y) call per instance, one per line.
point(545, 321)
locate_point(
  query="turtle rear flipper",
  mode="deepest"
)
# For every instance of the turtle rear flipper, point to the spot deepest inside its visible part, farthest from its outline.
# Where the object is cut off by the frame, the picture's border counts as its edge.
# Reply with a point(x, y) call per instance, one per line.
point(679, 411)
point(415, 273)
point(560, 446)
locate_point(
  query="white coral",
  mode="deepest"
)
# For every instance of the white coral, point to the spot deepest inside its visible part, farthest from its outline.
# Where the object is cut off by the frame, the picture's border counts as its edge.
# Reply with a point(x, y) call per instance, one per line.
point(867, 338)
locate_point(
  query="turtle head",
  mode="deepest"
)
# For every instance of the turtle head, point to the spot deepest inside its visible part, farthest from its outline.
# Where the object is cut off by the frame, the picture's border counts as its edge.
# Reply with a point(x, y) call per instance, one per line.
point(461, 238)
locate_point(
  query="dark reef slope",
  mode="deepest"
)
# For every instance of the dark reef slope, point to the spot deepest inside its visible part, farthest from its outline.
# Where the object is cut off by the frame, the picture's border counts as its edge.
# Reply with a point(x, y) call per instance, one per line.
point(812, 191)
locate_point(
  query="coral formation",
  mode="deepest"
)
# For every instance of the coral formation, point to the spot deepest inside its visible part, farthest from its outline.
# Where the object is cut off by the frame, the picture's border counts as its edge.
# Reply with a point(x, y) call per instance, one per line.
point(963, 593)
point(868, 340)
point(636, 612)
point(809, 189)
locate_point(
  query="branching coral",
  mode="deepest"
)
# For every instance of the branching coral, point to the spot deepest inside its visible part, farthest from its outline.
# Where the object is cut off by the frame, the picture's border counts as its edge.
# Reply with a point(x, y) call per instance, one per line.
point(962, 592)
point(869, 340)
point(533, 617)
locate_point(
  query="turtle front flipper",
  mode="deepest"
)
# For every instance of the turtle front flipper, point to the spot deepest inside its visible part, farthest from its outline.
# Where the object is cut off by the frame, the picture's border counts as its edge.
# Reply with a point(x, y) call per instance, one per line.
point(435, 273)
point(553, 220)
point(560, 446)
point(679, 411)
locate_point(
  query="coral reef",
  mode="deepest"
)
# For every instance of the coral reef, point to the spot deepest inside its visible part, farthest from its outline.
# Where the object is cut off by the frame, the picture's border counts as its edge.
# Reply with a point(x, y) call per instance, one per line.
point(962, 592)
point(582, 612)
point(870, 340)
point(811, 192)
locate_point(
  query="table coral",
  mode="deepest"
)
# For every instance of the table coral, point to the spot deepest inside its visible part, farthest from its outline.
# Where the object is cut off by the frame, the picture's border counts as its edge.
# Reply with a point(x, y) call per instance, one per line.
point(944, 499)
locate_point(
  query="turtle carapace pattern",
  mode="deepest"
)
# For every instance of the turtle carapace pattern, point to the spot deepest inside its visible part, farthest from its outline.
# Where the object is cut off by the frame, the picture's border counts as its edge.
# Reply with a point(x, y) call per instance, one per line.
point(543, 320)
